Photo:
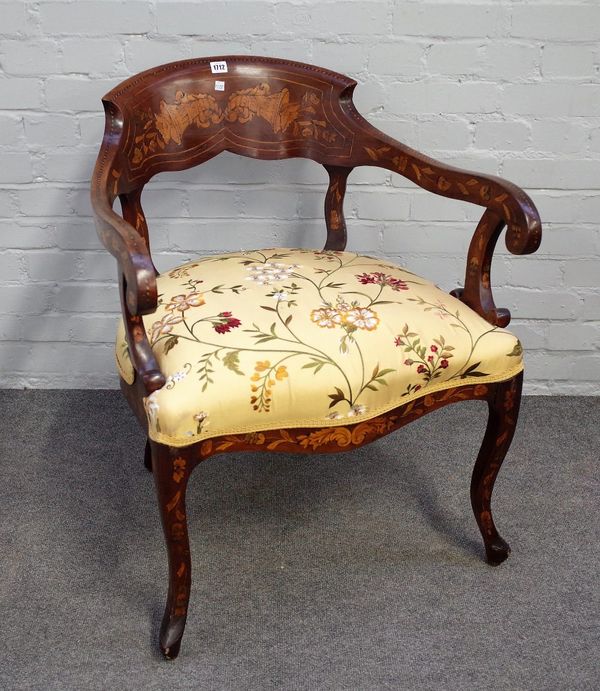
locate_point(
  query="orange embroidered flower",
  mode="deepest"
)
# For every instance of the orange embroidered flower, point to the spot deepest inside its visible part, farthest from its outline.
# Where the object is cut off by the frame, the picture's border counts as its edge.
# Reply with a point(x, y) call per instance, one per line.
point(281, 373)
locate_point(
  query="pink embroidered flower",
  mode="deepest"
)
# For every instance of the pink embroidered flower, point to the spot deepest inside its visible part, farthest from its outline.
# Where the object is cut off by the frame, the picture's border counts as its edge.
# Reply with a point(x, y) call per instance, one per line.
point(381, 279)
point(433, 348)
point(184, 302)
point(430, 358)
point(225, 323)
point(408, 362)
point(444, 364)
point(164, 326)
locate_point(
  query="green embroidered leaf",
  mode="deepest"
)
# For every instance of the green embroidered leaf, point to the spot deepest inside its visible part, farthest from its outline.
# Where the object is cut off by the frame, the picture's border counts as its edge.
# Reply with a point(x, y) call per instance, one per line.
point(472, 372)
point(170, 343)
point(516, 351)
point(288, 319)
point(232, 361)
point(317, 364)
point(269, 309)
point(336, 397)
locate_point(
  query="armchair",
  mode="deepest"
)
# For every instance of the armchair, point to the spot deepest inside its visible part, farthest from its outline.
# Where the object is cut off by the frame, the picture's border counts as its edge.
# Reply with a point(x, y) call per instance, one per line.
point(308, 351)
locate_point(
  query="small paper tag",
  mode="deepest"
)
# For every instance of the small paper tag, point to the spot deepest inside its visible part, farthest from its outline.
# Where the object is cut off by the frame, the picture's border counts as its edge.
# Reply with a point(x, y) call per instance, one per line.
point(218, 67)
point(219, 86)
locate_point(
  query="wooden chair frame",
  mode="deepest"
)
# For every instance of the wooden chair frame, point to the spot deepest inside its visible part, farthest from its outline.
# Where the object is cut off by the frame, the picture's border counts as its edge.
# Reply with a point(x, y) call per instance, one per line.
point(171, 118)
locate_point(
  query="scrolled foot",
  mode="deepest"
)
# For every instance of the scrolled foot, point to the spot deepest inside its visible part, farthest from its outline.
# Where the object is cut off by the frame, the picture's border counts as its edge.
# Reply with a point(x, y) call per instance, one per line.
point(171, 633)
point(503, 405)
point(497, 551)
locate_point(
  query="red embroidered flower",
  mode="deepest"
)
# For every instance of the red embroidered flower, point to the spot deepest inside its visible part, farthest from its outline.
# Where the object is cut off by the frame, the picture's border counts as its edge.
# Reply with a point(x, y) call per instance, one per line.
point(381, 279)
point(365, 278)
point(226, 323)
point(430, 358)
point(444, 364)
point(433, 348)
point(421, 369)
point(395, 283)
point(398, 341)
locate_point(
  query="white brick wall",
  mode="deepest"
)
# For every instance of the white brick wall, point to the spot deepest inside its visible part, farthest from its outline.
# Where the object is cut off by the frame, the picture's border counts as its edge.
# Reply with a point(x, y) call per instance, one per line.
point(503, 86)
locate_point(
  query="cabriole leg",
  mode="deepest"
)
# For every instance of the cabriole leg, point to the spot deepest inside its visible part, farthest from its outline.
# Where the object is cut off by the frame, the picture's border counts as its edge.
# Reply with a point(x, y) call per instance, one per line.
point(504, 402)
point(172, 468)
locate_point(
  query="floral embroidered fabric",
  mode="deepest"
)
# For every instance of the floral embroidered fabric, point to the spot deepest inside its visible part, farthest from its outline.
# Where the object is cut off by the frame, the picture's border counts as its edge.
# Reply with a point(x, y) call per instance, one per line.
point(280, 338)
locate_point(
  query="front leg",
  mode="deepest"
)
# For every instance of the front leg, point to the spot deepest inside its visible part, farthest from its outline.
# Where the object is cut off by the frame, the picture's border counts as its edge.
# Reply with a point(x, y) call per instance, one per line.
point(503, 402)
point(171, 468)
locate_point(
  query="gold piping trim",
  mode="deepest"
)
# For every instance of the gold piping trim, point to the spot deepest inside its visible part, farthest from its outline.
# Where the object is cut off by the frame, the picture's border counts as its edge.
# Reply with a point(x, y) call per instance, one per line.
point(179, 442)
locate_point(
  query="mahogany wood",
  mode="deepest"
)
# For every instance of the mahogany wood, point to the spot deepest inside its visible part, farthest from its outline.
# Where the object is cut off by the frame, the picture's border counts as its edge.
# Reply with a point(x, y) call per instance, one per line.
point(171, 118)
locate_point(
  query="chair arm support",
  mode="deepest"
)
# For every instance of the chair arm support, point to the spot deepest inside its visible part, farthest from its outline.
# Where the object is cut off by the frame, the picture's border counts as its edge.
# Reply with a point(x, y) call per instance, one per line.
point(123, 241)
point(137, 287)
point(477, 293)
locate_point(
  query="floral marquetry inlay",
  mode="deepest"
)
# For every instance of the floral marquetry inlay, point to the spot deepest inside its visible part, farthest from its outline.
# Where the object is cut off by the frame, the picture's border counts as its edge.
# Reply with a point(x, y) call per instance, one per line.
point(303, 119)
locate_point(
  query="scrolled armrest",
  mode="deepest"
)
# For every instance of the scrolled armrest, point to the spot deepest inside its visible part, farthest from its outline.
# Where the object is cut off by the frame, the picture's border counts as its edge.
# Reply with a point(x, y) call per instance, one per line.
point(506, 204)
point(508, 201)
point(141, 353)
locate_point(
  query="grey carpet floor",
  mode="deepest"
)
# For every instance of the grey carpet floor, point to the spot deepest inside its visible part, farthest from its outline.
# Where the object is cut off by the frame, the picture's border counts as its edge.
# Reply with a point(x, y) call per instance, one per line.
point(355, 571)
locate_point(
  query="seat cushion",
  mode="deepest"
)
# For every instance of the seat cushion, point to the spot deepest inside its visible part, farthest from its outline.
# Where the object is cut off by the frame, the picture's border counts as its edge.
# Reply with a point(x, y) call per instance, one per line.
point(280, 338)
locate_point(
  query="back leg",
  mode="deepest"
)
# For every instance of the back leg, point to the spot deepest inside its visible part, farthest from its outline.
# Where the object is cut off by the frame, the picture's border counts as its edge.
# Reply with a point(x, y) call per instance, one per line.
point(503, 403)
point(172, 468)
point(148, 456)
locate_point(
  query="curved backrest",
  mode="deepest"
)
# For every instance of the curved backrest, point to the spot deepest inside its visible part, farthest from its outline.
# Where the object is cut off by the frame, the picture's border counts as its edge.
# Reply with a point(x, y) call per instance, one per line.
point(180, 114)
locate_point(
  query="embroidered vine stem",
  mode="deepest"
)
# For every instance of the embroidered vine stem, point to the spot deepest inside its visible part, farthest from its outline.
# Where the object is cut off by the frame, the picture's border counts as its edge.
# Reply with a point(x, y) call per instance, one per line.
point(325, 357)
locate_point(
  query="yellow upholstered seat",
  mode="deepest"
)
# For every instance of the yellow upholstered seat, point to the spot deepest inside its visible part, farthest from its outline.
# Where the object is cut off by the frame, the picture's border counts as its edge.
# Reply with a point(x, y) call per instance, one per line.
point(282, 338)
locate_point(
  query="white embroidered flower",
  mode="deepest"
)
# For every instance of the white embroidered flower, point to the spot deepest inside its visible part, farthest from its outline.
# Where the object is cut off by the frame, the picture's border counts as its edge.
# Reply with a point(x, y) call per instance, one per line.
point(151, 406)
point(177, 376)
point(362, 318)
point(265, 274)
point(356, 409)
point(280, 295)
point(325, 317)
point(200, 416)
point(334, 416)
